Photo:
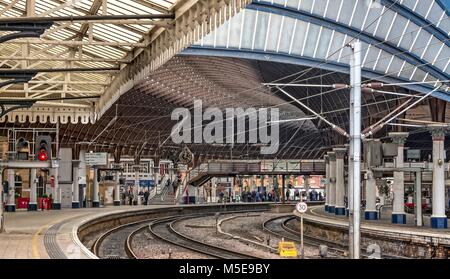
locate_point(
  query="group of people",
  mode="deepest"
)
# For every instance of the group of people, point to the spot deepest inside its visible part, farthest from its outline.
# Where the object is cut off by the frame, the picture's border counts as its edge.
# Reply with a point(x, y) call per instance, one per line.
point(257, 196)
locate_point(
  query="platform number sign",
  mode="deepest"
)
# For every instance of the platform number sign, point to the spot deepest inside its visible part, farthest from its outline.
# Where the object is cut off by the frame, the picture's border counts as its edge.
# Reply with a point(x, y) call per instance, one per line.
point(301, 207)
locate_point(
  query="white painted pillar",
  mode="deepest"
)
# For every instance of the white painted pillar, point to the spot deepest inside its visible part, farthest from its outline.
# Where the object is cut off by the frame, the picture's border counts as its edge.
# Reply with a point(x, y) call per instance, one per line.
point(136, 188)
point(56, 189)
point(327, 183)
point(370, 212)
point(32, 205)
point(96, 190)
point(82, 175)
point(75, 184)
point(438, 217)
point(11, 202)
point(213, 189)
point(340, 188)
point(332, 189)
point(117, 189)
point(398, 210)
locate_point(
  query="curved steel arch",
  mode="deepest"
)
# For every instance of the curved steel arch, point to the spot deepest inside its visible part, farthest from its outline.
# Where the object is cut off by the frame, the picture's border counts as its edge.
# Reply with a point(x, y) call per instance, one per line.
point(306, 61)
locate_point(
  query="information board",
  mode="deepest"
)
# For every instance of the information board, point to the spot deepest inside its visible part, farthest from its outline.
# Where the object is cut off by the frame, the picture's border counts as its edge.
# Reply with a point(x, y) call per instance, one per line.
point(97, 159)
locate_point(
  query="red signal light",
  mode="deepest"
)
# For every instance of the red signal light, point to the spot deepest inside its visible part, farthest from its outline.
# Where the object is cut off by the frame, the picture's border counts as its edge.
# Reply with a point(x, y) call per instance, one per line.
point(42, 155)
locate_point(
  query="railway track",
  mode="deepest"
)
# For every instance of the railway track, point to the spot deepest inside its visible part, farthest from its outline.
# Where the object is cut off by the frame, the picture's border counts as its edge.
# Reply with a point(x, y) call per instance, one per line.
point(165, 230)
point(277, 226)
point(115, 243)
point(283, 230)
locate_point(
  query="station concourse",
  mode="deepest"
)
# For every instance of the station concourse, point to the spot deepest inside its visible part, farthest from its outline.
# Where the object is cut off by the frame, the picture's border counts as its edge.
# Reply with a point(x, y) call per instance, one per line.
point(120, 114)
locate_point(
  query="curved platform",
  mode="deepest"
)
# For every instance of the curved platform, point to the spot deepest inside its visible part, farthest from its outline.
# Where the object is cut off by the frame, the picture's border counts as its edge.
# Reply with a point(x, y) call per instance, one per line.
point(49, 234)
point(393, 239)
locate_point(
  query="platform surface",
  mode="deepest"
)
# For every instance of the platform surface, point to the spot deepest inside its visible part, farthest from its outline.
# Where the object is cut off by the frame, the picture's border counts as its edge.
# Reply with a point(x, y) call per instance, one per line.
point(48, 234)
point(384, 223)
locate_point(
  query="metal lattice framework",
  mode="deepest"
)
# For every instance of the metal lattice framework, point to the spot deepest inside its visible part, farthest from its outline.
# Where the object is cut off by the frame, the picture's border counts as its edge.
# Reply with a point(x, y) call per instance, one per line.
point(226, 52)
point(136, 46)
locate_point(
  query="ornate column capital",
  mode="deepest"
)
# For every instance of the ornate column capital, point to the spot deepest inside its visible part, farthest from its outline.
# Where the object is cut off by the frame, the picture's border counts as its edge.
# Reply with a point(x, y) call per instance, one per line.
point(332, 156)
point(340, 152)
point(399, 137)
point(327, 159)
point(438, 131)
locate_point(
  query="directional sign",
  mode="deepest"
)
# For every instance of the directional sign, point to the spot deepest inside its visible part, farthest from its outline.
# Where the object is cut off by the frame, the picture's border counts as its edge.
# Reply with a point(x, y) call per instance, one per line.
point(97, 159)
point(301, 207)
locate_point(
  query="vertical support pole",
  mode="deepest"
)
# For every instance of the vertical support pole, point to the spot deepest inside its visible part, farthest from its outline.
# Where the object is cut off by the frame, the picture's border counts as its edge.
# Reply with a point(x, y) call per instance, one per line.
point(398, 208)
point(438, 217)
point(302, 250)
point(306, 182)
point(283, 180)
point(32, 205)
point(350, 187)
point(371, 212)
point(356, 141)
point(75, 184)
point(418, 193)
point(327, 183)
point(332, 187)
point(56, 189)
point(136, 187)
point(117, 188)
point(82, 175)
point(340, 188)
point(96, 198)
point(11, 203)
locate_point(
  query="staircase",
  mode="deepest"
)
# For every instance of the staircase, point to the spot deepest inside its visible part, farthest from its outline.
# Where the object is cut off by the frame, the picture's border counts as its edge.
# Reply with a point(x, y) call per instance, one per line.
point(163, 193)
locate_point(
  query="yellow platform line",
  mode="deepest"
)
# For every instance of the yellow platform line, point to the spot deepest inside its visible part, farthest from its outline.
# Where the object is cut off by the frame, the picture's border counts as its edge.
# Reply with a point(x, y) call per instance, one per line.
point(35, 241)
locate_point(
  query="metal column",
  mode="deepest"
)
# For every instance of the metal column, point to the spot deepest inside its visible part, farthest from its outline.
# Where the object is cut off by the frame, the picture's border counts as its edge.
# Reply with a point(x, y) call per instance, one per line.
point(340, 188)
point(332, 187)
point(350, 164)
point(438, 217)
point(418, 196)
point(75, 184)
point(327, 183)
point(32, 205)
point(96, 191)
point(398, 208)
point(117, 189)
point(56, 189)
point(306, 182)
point(356, 144)
point(82, 174)
point(11, 203)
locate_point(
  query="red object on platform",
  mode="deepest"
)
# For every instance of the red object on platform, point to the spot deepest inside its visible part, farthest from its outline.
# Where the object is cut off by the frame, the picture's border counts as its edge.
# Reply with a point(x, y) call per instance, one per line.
point(23, 202)
point(411, 205)
point(45, 203)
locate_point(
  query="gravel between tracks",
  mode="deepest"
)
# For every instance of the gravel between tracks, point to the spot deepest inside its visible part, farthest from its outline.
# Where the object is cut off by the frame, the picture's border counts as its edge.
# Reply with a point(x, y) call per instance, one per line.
point(145, 246)
point(243, 226)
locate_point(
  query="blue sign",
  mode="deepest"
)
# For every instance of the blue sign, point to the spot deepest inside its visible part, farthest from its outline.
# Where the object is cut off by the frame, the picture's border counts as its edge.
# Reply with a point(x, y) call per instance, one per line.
point(142, 183)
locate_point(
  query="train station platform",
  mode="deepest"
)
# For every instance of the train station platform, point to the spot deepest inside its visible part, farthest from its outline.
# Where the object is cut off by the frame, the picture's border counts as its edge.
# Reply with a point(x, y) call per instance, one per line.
point(405, 240)
point(384, 221)
point(49, 234)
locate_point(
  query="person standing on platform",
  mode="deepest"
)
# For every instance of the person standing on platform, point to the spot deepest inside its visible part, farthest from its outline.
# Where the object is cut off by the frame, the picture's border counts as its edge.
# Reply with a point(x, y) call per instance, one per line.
point(146, 195)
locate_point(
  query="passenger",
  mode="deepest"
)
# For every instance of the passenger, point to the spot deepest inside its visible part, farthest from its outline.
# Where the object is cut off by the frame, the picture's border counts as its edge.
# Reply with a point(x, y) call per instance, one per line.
point(287, 195)
point(257, 197)
point(130, 197)
point(146, 195)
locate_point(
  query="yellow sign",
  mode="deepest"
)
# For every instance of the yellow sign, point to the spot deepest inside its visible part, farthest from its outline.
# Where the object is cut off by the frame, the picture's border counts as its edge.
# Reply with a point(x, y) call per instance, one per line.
point(287, 249)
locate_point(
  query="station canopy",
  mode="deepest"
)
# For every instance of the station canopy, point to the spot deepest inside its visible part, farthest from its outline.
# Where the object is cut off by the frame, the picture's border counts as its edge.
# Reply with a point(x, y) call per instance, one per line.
point(222, 53)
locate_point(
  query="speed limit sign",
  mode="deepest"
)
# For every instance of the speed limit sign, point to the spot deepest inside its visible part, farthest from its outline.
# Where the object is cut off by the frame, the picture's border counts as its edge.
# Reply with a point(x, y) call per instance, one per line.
point(301, 207)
